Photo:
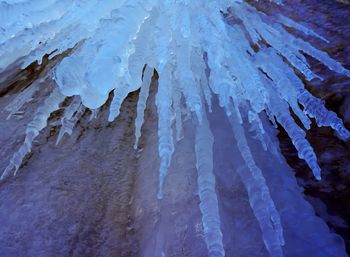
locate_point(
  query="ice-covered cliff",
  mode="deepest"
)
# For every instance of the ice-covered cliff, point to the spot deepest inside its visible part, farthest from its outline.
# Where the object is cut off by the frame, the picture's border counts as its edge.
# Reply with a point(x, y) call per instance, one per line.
point(226, 73)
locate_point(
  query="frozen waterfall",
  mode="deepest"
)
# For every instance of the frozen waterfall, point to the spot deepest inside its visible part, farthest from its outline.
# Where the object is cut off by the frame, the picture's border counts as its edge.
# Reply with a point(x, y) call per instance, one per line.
point(219, 73)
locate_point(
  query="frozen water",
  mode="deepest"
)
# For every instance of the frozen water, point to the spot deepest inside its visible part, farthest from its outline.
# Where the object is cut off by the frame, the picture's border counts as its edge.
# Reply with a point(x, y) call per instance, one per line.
point(223, 49)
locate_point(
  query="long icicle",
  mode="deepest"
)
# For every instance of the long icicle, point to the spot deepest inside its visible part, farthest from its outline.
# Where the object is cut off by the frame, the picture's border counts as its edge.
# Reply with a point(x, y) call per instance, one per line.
point(71, 116)
point(141, 104)
point(165, 132)
point(259, 195)
point(39, 122)
point(206, 187)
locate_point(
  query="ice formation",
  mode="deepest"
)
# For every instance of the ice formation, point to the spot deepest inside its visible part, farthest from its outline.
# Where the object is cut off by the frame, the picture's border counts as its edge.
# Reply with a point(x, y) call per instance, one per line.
point(199, 49)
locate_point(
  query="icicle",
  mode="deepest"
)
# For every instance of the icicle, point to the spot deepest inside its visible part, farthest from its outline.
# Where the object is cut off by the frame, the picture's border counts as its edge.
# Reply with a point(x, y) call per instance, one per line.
point(178, 113)
point(257, 127)
point(285, 81)
point(321, 56)
point(271, 118)
point(206, 188)
point(259, 195)
point(292, 90)
point(315, 108)
point(120, 93)
point(272, 243)
point(32, 131)
point(206, 92)
point(94, 113)
point(142, 48)
point(165, 134)
point(271, 146)
point(141, 104)
point(296, 134)
point(285, 43)
point(276, 38)
point(292, 24)
point(70, 117)
point(199, 71)
point(185, 78)
point(22, 98)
